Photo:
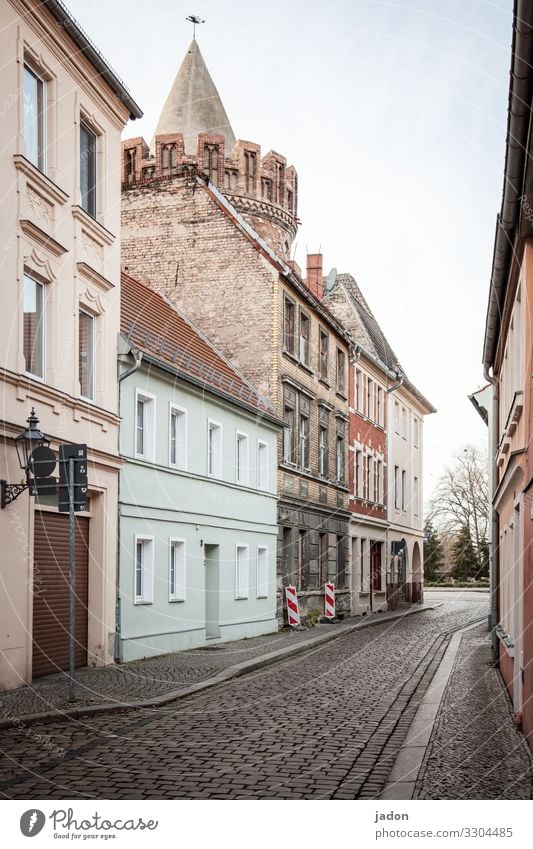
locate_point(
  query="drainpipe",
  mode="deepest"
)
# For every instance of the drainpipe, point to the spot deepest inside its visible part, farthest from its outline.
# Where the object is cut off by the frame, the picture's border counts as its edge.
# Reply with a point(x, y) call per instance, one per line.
point(495, 536)
point(138, 356)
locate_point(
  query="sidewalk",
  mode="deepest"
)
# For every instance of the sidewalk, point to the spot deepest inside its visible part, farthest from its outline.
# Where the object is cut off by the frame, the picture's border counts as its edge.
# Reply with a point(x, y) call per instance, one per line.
point(157, 680)
point(463, 742)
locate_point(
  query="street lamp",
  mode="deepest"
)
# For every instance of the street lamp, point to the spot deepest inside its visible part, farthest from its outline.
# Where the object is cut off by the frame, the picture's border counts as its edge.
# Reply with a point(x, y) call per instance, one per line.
point(34, 455)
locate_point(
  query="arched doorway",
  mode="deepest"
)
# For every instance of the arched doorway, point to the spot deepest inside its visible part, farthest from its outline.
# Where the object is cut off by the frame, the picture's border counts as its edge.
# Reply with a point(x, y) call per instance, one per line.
point(397, 586)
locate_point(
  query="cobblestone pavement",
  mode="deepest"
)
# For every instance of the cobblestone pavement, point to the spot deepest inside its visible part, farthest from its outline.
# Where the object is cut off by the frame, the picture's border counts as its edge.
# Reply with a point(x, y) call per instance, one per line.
point(476, 751)
point(326, 724)
point(144, 679)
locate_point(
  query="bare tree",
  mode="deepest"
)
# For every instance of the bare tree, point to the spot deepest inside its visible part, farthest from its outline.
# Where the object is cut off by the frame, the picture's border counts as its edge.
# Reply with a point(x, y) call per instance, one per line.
point(461, 499)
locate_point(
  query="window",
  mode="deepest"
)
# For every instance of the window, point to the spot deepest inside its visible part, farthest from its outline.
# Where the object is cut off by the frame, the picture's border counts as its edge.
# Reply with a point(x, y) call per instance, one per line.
point(144, 570)
point(404, 493)
point(379, 476)
point(266, 188)
point(396, 417)
point(404, 423)
point(323, 554)
point(341, 563)
point(304, 338)
point(176, 574)
point(341, 376)
point(340, 457)
point(144, 426)
point(416, 432)
point(370, 398)
point(33, 326)
point(88, 169)
point(241, 572)
point(288, 326)
point(379, 416)
point(323, 355)
point(289, 432)
point(262, 465)
point(304, 440)
point(34, 118)
point(287, 554)
point(362, 547)
point(370, 478)
point(301, 578)
point(262, 572)
point(211, 162)
point(178, 437)
point(249, 171)
point(358, 486)
point(323, 450)
point(214, 449)
point(359, 390)
point(86, 341)
point(242, 459)
point(396, 487)
point(416, 495)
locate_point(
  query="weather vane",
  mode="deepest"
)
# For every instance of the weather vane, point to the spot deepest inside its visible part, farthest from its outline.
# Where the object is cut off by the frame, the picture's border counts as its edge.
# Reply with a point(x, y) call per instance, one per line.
point(194, 19)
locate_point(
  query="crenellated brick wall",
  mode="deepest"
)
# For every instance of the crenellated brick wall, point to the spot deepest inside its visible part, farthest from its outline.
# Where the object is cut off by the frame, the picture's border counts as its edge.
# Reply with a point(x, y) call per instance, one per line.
point(264, 190)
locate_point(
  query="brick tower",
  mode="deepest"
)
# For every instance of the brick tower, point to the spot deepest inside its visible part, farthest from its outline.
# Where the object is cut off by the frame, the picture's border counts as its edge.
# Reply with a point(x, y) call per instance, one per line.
point(193, 135)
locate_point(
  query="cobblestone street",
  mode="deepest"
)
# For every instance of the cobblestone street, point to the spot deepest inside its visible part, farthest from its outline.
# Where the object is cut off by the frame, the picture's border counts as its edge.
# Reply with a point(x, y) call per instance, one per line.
point(326, 724)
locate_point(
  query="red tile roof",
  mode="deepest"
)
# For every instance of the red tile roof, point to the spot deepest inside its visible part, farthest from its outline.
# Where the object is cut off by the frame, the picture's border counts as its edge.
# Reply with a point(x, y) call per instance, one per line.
point(157, 327)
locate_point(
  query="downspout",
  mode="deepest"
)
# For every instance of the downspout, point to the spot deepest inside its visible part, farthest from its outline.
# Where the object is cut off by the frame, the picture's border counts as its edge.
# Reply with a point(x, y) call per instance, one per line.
point(138, 356)
point(494, 571)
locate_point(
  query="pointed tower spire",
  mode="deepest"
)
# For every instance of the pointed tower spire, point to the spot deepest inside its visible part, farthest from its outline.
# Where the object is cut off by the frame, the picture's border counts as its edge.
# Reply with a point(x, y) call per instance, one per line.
point(193, 105)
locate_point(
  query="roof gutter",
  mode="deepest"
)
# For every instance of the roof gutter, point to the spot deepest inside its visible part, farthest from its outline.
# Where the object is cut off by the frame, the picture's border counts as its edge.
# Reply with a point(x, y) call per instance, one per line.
point(82, 40)
point(518, 117)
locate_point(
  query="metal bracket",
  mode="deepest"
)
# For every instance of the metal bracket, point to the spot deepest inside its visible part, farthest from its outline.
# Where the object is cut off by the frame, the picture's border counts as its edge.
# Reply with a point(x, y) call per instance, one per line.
point(10, 491)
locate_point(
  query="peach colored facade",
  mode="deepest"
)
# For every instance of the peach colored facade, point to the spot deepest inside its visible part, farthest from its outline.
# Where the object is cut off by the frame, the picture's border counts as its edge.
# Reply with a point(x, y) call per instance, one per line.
point(71, 256)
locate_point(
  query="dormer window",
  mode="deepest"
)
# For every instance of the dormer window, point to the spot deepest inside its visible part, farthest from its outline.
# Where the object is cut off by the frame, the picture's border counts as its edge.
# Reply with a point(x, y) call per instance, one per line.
point(266, 188)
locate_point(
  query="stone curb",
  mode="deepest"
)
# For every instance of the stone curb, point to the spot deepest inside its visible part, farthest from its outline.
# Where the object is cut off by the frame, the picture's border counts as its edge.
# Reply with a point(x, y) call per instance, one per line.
point(221, 678)
point(409, 760)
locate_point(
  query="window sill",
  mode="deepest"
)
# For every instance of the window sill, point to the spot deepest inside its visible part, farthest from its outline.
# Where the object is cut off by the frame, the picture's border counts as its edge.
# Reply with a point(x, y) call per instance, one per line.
point(51, 191)
point(324, 382)
point(97, 230)
point(140, 601)
point(306, 368)
point(341, 394)
point(291, 356)
point(176, 601)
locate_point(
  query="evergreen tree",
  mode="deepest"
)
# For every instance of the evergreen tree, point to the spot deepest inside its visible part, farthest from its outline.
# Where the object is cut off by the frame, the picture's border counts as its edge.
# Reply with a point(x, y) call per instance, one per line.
point(433, 553)
point(465, 562)
point(484, 558)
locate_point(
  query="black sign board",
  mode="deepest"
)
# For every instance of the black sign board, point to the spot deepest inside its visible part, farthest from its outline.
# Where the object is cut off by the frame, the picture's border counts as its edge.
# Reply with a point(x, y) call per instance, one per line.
point(43, 486)
point(77, 453)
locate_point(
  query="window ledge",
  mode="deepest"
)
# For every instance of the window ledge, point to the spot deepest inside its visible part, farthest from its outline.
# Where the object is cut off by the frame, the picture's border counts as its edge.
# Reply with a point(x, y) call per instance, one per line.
point(99, 233)
point(291, 356)
point(47, 186)
point(324, 382)
point(306, 368)
point(341, 394)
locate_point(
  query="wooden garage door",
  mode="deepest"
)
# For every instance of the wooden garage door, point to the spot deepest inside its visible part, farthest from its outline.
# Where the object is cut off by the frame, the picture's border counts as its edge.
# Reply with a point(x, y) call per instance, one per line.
point(51, 592)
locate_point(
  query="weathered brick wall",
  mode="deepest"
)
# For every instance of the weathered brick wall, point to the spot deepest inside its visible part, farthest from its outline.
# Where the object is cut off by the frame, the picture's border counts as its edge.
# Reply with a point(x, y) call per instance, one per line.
point(178, 241)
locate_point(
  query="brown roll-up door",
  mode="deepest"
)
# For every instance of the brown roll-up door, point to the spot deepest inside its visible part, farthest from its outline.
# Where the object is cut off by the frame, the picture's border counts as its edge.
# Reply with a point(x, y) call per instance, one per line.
point(51, 592)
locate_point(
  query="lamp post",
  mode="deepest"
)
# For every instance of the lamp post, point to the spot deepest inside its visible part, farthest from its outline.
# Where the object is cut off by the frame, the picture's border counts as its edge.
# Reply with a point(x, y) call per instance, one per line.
point(34, 455)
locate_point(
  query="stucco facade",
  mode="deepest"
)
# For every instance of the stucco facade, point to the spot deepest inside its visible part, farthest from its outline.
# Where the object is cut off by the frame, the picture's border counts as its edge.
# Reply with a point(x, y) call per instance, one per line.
point(60, 228)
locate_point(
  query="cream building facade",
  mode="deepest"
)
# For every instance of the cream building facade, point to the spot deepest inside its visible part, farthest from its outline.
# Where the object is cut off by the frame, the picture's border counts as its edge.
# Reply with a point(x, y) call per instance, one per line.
point(64, 110)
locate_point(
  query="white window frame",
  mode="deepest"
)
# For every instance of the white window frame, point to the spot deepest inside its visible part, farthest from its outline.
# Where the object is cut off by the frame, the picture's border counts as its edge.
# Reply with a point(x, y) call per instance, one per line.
point(178, 592)
point(262, 571)
point(404, 491)
point(242, 475)
point(147, 567)
point(216, 427)
point(42, 284)
point(41, 163)
point(416, 496)
point(262, 469)
point(94, 131)
point(358, 472)
point(371, 494)
point(396, 487)
point(149, 401)
point(85, 311)
point(181, 436)
point(242, 572)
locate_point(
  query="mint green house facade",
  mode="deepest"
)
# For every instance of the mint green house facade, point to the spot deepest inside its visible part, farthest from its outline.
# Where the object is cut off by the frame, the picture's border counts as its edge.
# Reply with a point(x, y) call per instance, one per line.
point(197, 507)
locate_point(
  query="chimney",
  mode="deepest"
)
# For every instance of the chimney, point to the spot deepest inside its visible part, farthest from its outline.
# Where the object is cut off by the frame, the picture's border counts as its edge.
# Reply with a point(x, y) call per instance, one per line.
point(314, 280)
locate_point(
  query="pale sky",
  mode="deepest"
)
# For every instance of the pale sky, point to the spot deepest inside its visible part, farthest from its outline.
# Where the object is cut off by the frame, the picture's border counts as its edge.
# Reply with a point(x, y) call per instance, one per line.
point(394, 116)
